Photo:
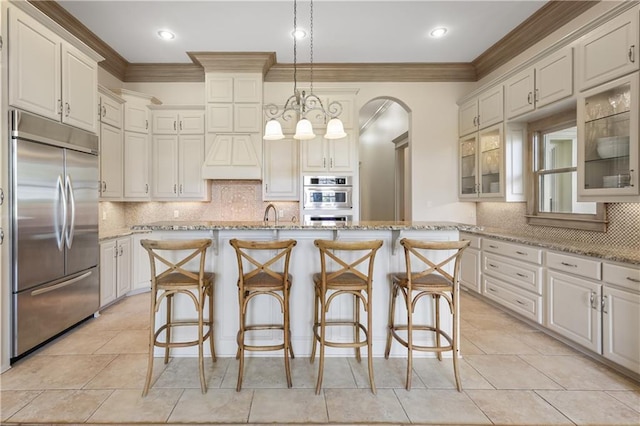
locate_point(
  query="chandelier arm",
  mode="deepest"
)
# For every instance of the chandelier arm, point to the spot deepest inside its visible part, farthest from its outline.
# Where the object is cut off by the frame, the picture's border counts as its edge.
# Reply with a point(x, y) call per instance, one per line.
point(295, 61)
point(311, 46)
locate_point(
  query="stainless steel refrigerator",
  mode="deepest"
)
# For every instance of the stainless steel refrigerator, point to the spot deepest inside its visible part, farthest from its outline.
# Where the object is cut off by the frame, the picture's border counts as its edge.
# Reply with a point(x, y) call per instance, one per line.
point(54, 228)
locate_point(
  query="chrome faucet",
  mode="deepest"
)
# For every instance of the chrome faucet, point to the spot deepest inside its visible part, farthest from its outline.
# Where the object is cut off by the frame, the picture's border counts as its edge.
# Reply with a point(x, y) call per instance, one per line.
point(270, 206)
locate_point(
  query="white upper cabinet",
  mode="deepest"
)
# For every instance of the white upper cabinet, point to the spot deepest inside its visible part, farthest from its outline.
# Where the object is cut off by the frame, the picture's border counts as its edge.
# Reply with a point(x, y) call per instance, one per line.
point(168, 122)
point(608, 147)
point(137, 157)
point(111, 107)
point(320, 155)
point(548, 81)
point(608, 52)
point(111, 145)
point(281, 174)
point(48, 76)
point(482, 111)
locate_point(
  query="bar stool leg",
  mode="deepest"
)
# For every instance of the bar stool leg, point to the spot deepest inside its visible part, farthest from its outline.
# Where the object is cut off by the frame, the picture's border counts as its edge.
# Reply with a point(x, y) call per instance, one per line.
point(370, 342)
point(287, 339)
point(409, 305)
point(203, 383)
point(316, 321)
point(356, 328)
point(152, 338)
point(392, 313)
point(168, 329)
point(210, 324)
point(437, 299)
point(240, 353)
point(455, 312)
point(322, 340)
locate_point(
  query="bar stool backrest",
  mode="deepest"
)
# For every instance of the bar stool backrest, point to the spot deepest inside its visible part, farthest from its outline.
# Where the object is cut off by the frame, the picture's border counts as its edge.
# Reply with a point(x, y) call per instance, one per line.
point(249, 266)
point(160, 250)
point(417, 252)
point(336, 269)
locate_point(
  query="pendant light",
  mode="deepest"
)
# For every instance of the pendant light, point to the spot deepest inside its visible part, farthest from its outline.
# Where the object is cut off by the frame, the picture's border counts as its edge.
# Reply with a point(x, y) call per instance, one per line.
point(301, 103)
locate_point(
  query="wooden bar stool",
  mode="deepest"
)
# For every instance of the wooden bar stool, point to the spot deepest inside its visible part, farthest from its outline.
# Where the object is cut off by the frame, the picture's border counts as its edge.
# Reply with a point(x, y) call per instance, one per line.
point(257, 277)
point(341, 277)
point(174, 280)
point(427, 278)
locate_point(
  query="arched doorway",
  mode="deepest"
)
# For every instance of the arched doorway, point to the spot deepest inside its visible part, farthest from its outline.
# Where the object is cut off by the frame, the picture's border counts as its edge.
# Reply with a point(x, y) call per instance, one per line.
point(384, 167)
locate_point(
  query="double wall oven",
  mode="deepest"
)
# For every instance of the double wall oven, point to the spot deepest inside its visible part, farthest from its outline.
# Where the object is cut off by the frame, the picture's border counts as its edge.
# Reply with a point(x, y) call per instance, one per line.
point(327, 199)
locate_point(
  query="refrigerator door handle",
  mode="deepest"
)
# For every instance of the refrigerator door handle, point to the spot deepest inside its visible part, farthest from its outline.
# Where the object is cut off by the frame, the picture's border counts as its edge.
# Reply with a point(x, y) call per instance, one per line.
point(60, 285)
point(63, 195)
point(72, 201)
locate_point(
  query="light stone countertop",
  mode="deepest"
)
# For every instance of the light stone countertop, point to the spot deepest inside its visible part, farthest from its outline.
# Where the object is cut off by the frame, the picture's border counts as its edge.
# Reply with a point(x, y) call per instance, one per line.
point(630, 255)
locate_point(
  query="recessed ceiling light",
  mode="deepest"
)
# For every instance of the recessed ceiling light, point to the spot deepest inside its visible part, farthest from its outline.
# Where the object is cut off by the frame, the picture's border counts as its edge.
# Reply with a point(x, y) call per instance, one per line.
point(166, 35)
point(298, 34)
point(438, 32)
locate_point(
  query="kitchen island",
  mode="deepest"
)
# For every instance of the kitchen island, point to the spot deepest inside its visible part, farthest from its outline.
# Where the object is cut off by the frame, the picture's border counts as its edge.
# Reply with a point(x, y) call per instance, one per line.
point(304, 261)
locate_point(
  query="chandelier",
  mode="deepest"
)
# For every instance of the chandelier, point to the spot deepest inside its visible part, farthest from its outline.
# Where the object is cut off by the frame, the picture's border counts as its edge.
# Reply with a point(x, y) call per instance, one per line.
point(301, 103)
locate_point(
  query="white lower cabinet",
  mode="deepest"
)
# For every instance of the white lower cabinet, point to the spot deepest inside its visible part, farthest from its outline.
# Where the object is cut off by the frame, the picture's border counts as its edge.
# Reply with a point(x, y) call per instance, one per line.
point(115, 269)
point(620, 322)
point(572, 309)
point(470, 269)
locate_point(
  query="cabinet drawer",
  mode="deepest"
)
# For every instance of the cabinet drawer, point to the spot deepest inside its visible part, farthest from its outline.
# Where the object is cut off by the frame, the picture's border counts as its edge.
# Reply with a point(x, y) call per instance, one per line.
point(587, 268)
point(622, 276)
point(521, 274)
point(520, 301)
point(514, 251)
point(473, 239)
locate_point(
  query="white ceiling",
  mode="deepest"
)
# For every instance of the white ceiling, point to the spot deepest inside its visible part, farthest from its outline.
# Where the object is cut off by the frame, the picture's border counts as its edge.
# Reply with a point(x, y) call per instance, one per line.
point(347, 31)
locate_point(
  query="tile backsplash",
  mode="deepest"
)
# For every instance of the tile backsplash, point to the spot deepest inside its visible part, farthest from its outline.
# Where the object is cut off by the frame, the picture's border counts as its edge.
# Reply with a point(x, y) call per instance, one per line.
point(230, 201)
point(623, 228)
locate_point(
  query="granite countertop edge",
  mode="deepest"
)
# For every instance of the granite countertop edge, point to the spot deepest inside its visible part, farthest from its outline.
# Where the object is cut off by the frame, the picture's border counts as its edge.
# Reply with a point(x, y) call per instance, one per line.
point(628, 255)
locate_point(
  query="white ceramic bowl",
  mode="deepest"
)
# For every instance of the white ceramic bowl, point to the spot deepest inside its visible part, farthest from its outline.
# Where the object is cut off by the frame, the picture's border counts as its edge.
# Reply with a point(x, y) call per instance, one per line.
point(613, 146)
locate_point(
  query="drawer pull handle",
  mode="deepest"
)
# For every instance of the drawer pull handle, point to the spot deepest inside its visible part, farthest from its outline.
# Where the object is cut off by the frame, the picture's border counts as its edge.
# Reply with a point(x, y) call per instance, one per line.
point(521, 275)
point(492, 246)
point(569, 264)
point(592, 300)
point(521, 253)
point(603, 305)
point(520, 303)
point(635, 280)
point(493, 266)
point(491, 289)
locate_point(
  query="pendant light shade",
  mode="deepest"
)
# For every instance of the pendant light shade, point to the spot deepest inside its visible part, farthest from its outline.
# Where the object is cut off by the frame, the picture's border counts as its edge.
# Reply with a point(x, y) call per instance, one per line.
point(273, 131)
point(304, 130)
point(335, 129)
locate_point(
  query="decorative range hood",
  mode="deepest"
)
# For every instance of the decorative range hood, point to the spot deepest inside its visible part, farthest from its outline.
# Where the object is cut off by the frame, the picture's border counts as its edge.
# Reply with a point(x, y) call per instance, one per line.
point(233, 157)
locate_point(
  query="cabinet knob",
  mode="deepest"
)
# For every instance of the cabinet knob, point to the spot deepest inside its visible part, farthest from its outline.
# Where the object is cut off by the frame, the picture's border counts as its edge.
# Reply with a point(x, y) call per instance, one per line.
point(146, 188)
point(104, 111)
point(175, 188)
point(1, 196)
point(180, 124)
point(175, 126)
point(67, 109)
point(1, 235)
point(529, 98)
point(632, 50)
point(146, 124)
point(181, 188)
point(603, 305)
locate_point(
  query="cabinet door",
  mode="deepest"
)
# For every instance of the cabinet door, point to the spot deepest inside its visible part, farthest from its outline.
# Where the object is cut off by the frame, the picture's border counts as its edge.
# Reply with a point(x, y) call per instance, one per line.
point(572, 309)
point(490, 107)
point(191, 123)
point(165, 123)
point(34, 66)
point(191, 157)
point(219, 88)
point(110, 112)
point(136, 165)
point(79, 89)
point(111, 158)
point(108, 254)
point(609, 51)
point(620, 319)
point(219, 118)
point(247, 88)
point(165, 166)
point(341, 154)
point(281, 176)
point(247, 118)
point(467, 117)
point(314, 158)
point(468, 185)
point(124, 267)
point(491, 162)
point(136, 117)
point(519, 93)
point(554, 77)
point(470, 270)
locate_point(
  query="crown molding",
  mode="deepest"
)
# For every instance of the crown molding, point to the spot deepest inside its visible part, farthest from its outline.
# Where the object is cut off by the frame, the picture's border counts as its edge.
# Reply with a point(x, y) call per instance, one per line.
point(547, 19)
point(374, 72)
point(550, 17)
point(234, 61)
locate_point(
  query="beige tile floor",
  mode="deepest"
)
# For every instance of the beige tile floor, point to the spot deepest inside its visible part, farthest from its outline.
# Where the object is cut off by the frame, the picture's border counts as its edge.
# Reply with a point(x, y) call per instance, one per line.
point(511, 373)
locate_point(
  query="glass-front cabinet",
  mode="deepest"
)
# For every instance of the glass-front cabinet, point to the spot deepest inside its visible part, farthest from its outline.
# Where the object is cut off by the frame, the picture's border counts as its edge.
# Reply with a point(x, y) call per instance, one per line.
point(481, 164)
point(608, 153)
